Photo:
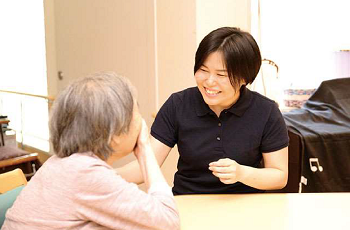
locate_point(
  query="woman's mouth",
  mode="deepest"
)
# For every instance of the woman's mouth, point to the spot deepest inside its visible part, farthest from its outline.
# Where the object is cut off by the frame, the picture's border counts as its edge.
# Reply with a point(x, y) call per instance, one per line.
point(211, 92)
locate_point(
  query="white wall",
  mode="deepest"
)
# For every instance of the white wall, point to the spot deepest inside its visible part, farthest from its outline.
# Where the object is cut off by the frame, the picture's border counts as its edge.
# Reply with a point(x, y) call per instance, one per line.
point(212, 14)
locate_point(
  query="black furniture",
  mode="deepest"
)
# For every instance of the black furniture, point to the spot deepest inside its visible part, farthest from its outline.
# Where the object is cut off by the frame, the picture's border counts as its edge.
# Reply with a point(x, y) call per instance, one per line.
point(320, 136)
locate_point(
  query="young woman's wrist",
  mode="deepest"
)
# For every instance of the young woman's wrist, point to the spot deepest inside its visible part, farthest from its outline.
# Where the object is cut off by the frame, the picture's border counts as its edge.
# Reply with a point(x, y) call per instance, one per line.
point(242, 173)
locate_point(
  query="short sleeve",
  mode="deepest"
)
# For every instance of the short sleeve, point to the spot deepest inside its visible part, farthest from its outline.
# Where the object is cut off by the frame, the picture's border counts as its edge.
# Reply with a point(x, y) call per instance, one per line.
point(275, 135)
point(164, 127)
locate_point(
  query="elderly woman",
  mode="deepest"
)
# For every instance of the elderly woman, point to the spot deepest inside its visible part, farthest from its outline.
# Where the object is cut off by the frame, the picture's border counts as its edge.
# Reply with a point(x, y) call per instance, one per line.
point(94, 122)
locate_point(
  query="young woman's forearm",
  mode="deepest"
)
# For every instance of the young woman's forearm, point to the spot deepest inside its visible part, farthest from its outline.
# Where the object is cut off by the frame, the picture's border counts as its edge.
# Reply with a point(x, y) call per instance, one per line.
point(273, 176)
point(263, 178)
point(131, 172)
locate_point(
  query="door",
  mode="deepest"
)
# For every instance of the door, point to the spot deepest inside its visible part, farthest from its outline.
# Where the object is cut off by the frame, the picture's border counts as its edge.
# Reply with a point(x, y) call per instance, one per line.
point(109, 35)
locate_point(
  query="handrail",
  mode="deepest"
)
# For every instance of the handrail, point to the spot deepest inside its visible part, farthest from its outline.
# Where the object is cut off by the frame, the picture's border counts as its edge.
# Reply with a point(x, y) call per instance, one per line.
point(49, 98)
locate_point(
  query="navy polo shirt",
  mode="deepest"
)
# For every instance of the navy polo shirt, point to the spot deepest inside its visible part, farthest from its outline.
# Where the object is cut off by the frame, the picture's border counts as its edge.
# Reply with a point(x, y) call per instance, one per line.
point(252, 126)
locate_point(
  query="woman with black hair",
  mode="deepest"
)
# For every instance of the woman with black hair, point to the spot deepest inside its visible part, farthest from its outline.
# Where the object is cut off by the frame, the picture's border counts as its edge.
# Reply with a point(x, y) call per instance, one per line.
point(230, 139)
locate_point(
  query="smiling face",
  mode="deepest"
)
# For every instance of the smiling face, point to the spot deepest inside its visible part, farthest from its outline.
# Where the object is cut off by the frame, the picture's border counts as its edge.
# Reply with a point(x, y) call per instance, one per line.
point(214, 84)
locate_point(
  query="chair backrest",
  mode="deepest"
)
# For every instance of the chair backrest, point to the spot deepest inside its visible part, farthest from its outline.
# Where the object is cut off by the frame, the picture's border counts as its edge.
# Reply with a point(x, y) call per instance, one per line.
point(11, 184)
point(11, 180)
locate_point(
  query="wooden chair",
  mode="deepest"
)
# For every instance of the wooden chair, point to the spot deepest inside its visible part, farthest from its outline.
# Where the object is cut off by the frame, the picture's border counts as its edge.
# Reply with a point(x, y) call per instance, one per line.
point(11, 184)
point(11, 180)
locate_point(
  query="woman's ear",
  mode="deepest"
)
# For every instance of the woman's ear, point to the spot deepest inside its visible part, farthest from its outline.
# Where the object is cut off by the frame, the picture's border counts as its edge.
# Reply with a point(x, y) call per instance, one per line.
point(115, 141)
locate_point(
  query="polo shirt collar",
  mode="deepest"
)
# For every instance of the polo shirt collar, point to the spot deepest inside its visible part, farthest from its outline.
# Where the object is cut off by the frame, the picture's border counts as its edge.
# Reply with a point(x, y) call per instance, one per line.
point(238, 108)
point(243, 102)
point(201, 107)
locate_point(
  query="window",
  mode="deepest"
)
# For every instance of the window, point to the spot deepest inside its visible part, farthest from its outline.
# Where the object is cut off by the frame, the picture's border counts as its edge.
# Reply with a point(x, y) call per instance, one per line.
point(303, 38)
point(23, 69)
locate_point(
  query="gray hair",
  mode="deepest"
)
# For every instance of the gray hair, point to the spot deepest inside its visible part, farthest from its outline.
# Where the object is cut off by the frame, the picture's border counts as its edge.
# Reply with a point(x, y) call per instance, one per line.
point(89, 112)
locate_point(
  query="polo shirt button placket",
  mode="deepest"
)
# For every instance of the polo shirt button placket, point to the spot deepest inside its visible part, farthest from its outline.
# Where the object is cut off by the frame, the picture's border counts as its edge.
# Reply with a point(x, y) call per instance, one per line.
point(218, 137)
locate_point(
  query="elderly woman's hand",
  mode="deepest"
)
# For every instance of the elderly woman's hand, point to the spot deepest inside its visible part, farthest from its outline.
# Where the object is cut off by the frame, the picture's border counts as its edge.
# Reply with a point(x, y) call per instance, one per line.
point(228, 171)
point(143, 142)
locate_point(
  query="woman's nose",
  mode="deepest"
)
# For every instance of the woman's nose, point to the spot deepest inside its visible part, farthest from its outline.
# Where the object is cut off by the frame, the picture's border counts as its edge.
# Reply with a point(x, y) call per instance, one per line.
point(211, 80)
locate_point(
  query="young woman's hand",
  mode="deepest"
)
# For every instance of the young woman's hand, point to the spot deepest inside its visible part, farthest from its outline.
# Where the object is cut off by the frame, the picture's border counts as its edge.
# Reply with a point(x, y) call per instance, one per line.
point(228, 171)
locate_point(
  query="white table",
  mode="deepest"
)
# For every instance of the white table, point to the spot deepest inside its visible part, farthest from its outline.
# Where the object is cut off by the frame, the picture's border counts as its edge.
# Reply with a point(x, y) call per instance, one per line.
point(311, 211)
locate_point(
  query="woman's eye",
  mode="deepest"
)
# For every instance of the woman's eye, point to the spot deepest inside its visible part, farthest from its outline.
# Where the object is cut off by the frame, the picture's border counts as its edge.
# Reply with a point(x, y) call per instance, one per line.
point(222, 75)
point(203, 70)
